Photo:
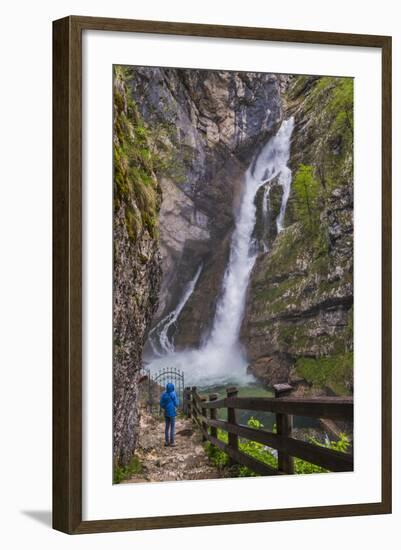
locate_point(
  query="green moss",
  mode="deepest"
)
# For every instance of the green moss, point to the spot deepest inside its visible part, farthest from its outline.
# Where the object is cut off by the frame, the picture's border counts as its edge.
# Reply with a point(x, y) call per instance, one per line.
point(126, 472)
point(275, 291)
point(327, 144)
point(298, 85)
point(133, 220)
point(306, 198)
point(286, 251)
point(295, 337)
point(334, 372)
point(305, 258)
point(300, 338)
point(135, 185)
point(299, 275)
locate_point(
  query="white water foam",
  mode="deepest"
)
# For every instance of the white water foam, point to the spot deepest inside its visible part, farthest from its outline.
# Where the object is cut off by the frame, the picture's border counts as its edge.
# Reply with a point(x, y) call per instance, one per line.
point(159, 338)
point(284, 180)
point(221, 359)
point(266, 215)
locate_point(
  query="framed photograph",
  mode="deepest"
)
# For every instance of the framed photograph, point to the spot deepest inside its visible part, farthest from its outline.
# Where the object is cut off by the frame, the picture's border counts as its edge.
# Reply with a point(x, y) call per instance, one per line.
point(222, 275)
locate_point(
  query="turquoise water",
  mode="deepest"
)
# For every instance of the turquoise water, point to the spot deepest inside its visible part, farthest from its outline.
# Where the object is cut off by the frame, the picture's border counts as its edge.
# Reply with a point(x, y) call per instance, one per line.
point(256, 390)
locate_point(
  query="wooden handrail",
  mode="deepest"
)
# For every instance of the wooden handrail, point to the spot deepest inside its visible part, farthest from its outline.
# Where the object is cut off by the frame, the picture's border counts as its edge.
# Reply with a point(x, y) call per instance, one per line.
point(287, 447)
point(244, 459)
point(321, 456)
point(284, 423)
point(336, 408)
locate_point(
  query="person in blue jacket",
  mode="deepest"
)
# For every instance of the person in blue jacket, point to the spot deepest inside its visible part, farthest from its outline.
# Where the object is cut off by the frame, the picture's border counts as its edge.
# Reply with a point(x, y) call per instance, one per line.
point(169, 403)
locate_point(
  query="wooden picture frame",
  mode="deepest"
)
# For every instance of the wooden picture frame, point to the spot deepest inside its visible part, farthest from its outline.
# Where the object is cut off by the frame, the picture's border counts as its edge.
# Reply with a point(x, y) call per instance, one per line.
point(67, 274)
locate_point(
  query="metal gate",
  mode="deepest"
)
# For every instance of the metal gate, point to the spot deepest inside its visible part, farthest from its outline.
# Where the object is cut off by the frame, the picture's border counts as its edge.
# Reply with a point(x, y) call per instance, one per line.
point(157, 385)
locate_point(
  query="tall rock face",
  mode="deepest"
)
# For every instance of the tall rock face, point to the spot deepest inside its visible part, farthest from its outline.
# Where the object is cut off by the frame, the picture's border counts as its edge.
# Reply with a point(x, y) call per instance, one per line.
point(206, 126)
point(299, 314)
point(137, 272)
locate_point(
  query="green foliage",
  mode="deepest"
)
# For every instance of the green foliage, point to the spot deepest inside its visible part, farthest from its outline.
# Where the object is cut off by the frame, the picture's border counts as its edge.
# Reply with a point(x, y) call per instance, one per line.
point(135, 184)
point(133, 468)
point(334, 372)
point(218, 458)
point(325, 154)
point(221, 460)
point(341, 104)
point(303, 467)
point(339, 94)
point(256, 450)
point(342, 445)
point(306, 190)
point(327, 105)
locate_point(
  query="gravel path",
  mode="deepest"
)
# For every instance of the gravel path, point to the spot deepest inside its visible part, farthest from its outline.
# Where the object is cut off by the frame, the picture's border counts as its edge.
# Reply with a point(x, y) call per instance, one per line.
point(186, 460)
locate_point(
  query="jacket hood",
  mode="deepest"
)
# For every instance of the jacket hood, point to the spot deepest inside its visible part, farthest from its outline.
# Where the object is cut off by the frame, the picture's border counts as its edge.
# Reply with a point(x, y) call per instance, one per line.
point(170, 387)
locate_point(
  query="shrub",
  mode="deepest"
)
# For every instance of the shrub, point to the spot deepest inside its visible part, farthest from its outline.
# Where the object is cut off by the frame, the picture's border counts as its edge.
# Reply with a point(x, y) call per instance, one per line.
point(125, 472)
point(306, 197)
point(264, 454)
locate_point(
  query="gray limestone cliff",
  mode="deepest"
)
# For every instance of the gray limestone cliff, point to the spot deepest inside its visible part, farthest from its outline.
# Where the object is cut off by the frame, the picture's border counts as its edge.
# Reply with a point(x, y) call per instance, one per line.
point(299, 314)
point(136, 266)
point(207, 126)
point(188, 136)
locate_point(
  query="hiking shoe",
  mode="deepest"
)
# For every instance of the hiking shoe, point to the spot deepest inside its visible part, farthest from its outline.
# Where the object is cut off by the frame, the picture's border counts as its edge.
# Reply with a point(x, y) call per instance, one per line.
point(166, 444)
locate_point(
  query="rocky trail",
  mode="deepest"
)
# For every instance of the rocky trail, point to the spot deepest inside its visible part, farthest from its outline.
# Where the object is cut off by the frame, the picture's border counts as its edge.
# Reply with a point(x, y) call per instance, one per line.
point(186, 460)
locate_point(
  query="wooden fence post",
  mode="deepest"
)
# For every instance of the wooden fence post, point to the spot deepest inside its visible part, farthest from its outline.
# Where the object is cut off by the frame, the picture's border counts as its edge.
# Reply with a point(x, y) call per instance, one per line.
point(187, 402)
point(204, 425)
point(284, 427)
point(193, 403)
point(232, 419)
point(149, 396)
point(213, 429)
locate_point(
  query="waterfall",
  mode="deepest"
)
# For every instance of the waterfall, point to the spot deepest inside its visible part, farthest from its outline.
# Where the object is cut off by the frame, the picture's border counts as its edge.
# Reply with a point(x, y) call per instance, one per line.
point(266, 216)
point(284, 180)
point(158, 336)
point(221, 358)
point(271, 161)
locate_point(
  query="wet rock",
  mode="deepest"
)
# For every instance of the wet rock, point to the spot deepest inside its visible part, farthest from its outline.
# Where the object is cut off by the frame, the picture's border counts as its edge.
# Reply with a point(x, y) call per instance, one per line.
point(209, 124)
point(136, 276)
point(300, 298)
point(271, 370)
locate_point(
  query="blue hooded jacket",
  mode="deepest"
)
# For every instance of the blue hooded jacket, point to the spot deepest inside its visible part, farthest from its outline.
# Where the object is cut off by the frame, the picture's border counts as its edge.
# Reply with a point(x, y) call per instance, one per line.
point(169, 401)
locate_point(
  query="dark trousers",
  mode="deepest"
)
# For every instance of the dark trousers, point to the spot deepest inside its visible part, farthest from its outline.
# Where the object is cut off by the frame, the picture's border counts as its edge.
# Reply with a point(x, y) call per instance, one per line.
point(169, 428)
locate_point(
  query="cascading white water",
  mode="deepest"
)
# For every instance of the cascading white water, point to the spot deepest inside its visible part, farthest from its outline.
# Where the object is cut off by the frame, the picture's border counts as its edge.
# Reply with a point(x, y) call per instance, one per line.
point(284, 180)
point(266, 216)
point(158, 336)
point(271, 161)
point(221, 358)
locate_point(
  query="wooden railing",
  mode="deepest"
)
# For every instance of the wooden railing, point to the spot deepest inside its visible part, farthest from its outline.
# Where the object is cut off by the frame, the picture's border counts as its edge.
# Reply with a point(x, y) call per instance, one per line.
point(203, 411)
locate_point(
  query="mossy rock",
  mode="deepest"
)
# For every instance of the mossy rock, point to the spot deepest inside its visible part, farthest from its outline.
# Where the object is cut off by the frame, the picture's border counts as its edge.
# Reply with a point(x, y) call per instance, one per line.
point(135, 185)
point(333, 372)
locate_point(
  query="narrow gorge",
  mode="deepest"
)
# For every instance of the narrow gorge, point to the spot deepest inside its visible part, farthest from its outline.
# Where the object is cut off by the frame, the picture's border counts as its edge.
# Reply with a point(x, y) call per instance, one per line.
point(233, 232)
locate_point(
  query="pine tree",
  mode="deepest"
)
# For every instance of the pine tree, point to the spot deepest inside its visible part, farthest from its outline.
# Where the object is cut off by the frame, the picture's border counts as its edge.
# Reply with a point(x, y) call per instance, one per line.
point(306, 197)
